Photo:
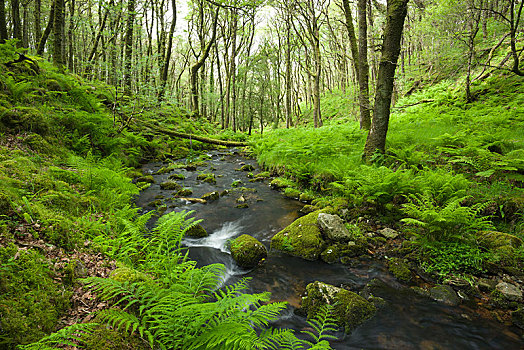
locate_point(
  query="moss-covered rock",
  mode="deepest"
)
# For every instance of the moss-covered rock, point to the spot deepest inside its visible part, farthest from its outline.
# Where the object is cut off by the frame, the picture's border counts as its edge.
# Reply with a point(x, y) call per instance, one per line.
point(280, 183)
point(176, 177)
point(5, 204)
point(302, 238)
point(331, 254)
point(247, 251)
point(211, 196)
point(354, 248)
point(127, 274)
point(495, 240)
point(247, 167)
point(517, 317)
point(444, 294)
point(196, 231)
point(236, 183)
point(146, 178)
point(292, 193)
point(207, 177)
point(242, 206)
point(170, 185)
point(262, 175)
point(22, 119)
point(349, 309)
point(306, 209)
point(306, 197)
point(184, 192)
point(400, 269)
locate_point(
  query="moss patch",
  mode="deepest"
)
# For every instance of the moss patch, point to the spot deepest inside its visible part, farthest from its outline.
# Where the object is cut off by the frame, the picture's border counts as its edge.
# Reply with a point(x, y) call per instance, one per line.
point(399, 268)
point(349, 309)
point(247, 251)
point(170, 185)
point(197, 231)
point(302, 238)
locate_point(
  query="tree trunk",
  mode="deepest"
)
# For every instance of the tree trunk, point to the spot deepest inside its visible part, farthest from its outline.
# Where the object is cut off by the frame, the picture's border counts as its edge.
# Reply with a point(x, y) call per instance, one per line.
point(363, 67)
point(129, 45)
point(3, 24)
point(396, 14)
point(47, 31)
point(167, 58)
point(25, 25)
point(514, 24)
point(58, 29)
point(38, 28)
point(70, 35)
point(15, 18)
point(233, 70)
point(194, 69)
point(289, 111)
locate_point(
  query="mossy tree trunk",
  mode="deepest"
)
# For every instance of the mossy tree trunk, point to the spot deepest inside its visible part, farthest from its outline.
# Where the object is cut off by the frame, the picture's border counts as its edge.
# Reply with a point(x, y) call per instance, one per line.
point(47, 31)
point(3, 24)
point(165, 68)
point(396, 14)
point(58, 30)
point(129, 45)
point(15, 19)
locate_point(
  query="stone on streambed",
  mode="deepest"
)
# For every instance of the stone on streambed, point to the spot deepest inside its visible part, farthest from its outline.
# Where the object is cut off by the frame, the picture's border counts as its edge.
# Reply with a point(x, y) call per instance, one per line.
point(349, 309)
point(247, 251)
point(184, 192)
point(509, 291)
point(400, 269)
point(333, 227)
point(146, 178)
point(170, 185)
point(196, 231)
point(388, 233)
point(302, 238)
point(444, 294)
point(211, 196)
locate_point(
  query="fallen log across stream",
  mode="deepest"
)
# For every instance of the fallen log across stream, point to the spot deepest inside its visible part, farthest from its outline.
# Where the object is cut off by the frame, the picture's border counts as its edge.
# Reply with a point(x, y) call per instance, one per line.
point(182, 135)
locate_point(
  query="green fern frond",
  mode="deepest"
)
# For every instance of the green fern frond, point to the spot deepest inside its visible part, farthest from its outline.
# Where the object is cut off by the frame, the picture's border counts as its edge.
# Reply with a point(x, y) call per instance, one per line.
point(68, 336)
point(322, 323)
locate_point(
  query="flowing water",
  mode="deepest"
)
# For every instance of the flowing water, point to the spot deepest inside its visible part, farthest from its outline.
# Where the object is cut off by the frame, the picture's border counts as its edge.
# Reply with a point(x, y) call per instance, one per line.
point(407, 321)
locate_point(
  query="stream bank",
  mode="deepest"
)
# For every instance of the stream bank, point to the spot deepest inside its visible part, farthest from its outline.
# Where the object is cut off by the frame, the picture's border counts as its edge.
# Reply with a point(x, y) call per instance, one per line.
point(408, 320)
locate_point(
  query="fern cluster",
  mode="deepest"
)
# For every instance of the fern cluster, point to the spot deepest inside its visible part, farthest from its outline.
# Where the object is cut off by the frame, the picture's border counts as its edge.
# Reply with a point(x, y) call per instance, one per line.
point(450, 222)
point(177, 305)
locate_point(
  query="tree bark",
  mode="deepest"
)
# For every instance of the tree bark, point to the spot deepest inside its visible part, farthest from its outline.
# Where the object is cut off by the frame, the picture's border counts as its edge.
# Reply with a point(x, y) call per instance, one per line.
point(15, 18)
point(70, 58)
point(396, 14)
point(3, 24)
point(47, 31)
point(129, 45)
point(58, 29)
point(38, 28)
point(194, 69)
point(363, 67)
point(167, 58)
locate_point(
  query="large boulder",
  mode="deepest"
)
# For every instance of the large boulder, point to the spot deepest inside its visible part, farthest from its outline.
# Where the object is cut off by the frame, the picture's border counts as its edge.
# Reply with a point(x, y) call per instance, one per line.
point(247, 251)
point(333, 227)
point(302, 238)
point(349, 309)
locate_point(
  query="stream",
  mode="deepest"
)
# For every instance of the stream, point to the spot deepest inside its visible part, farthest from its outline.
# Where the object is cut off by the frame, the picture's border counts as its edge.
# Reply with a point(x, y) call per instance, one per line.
point(407, 321)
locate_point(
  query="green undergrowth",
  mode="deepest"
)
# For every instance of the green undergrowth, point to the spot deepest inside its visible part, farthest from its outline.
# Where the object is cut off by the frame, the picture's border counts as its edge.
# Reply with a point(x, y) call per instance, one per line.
point(451, 168)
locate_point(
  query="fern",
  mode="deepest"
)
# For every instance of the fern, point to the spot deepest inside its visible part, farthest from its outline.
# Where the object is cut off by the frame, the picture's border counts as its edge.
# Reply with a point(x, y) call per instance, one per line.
point(68, 336)
point(451, 222)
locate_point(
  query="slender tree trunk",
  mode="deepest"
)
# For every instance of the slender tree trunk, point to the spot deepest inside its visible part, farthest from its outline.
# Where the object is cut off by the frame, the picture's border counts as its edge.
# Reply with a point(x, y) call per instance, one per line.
point(15, 18)
point(396, 14)
point(129, 45)
point(194, 69)
point(233, 70)
point(38, 27)
point(514, 25)
point(25, 25)
point(47, 31)
point(70, 35)
point(289, 111)
point(363, 67)
point(58, 29)
point(317, 117)
point(165, 70)
point(3, 24)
